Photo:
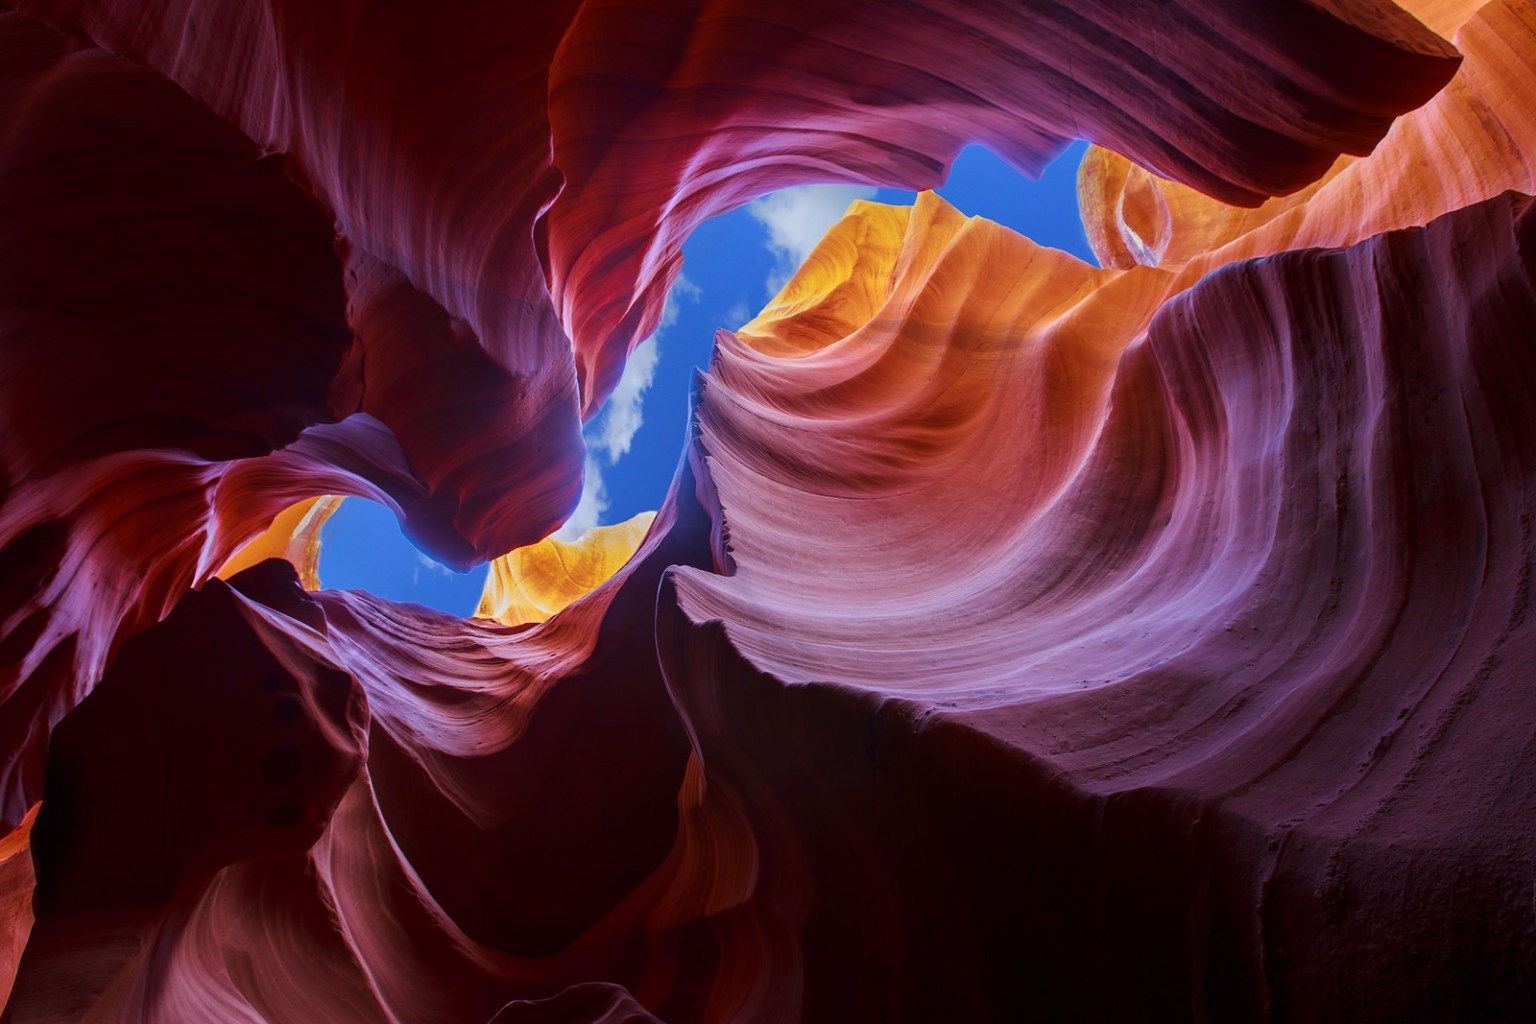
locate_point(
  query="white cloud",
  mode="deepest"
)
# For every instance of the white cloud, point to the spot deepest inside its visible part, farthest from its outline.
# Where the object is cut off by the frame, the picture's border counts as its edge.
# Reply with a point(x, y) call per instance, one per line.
point(615, 427)
point(427, 563)
point(796, 218)
point(612, 432)
point(737, 315)
point(669, 309)
point(590, 509)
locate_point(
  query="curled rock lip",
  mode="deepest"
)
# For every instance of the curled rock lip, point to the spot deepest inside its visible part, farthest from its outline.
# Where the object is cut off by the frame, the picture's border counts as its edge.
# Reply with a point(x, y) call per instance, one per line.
point(1018, 638)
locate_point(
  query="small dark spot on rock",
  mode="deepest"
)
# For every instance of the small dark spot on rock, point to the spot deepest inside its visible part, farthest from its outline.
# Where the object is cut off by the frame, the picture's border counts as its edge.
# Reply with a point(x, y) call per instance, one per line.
point(286, 815)
point(282, 765)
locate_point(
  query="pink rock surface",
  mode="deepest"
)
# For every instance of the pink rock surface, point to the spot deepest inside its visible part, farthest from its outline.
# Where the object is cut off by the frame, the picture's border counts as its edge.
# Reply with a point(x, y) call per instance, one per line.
point(1019, 638)
point(1237, 713)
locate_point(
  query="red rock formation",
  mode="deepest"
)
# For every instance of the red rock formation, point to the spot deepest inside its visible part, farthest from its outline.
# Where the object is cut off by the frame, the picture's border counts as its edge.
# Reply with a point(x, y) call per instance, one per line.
point(1019, 638)
point(1473, 141)
point(1233, 707)
point(16, 885)
point(428, 363)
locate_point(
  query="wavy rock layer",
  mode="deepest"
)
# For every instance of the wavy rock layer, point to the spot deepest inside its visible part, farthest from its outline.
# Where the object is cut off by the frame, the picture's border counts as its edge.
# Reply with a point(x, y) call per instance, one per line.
point(1018, 639)
point(1473, 141)
point(1248, 673)
point(1279, 678)
point(535, 582)
point(318, 267)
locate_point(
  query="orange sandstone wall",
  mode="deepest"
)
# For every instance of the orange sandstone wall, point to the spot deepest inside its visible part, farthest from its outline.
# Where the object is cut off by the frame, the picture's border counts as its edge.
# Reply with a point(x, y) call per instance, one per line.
point(1019, 639)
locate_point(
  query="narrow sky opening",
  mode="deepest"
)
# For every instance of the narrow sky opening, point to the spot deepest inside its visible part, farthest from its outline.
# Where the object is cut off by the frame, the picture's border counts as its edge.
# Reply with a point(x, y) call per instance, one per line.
point(362, 548)
point(732, 265)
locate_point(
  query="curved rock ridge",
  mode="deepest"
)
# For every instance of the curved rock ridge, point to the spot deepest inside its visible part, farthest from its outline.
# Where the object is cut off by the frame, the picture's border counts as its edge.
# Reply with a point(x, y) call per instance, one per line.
point(602, 133)
point(940, 331)
point(1223, 691)
point(526, 585)
point(424, 895)
point(368, 249)
point(170, 306)
point(742, 99)
point(294, 536)
point(17, 881)
point(1019, 638)
point(1473, 141)
point(1248, 654)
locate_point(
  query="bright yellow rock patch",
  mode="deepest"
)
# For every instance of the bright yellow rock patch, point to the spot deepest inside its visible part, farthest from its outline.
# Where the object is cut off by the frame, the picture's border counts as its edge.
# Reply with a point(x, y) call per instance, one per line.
point(294, 535)
point(534, 582)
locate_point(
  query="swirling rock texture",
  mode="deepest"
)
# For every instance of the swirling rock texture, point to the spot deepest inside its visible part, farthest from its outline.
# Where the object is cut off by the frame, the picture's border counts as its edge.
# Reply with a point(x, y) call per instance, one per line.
point(1019, 639)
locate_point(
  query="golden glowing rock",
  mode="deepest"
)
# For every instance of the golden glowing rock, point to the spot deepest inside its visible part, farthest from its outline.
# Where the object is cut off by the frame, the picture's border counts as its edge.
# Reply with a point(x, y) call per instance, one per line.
point(1018, 639)
point(16, 886)
point(534, 582)
point(838, 288)
point(294, 535)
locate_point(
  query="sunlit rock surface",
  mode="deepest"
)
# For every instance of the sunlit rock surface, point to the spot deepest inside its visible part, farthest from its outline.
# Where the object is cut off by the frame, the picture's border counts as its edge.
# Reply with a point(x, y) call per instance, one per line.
point(294, 536)
point(16, 882)
point(1019, 638)
point(1236, 634)
point(535, 582)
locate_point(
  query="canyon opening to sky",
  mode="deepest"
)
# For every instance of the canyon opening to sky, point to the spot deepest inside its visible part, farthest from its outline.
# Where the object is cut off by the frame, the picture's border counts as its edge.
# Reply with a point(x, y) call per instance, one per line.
point(998, 631)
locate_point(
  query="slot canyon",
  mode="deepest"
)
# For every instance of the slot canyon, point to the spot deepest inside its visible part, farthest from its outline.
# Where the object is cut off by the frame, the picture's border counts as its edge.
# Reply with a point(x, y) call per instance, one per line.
point(1020, 639)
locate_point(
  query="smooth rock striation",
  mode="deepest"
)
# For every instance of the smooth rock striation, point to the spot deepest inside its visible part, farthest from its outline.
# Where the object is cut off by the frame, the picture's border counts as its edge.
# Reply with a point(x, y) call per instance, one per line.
point(1019, 638)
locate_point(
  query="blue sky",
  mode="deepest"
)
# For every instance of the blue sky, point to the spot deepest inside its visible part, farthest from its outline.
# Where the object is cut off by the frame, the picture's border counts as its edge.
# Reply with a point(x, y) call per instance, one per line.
point(732, 265)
